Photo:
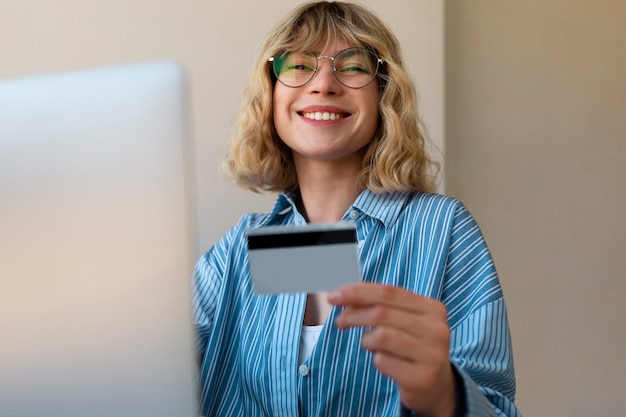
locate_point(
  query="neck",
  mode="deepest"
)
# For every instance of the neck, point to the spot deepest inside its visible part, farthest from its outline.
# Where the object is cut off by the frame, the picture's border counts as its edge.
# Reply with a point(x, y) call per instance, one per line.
point(327, 191)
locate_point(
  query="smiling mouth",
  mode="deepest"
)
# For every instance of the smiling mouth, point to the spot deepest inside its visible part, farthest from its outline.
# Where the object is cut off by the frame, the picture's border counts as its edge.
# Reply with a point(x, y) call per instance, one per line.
point(318, 115)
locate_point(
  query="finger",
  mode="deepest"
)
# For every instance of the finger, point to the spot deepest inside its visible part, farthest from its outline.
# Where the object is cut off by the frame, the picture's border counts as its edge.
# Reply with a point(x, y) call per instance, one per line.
point(426, 348)
point(392, 342)
point(399, 369)
point(367, 294)
point(385, 316)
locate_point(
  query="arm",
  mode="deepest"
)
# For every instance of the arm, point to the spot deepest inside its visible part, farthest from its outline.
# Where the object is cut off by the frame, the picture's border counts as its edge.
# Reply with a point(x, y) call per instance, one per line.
point(480, 342)
point(436, 369)
point(204, 292)
point(433, 348)
point(409, 339)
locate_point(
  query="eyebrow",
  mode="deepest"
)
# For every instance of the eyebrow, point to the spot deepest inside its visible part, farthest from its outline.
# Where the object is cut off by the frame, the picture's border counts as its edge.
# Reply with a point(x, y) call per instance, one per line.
point(333, 54)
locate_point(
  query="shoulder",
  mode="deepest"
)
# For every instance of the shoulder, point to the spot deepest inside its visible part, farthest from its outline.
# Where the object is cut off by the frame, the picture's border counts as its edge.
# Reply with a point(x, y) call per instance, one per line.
point(434, 208)
point(233, 242)
point(433, 202)
point(397, 209)
point(444, 219)
point(237, 233)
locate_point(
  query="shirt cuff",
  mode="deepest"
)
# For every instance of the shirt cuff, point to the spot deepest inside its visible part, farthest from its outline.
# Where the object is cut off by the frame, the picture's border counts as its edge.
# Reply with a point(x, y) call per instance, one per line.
point(474, 401)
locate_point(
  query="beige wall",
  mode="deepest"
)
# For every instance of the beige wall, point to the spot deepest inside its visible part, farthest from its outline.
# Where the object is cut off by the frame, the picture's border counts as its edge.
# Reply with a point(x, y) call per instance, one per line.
point(216, 41)
point(536, 147)
point(535, 110)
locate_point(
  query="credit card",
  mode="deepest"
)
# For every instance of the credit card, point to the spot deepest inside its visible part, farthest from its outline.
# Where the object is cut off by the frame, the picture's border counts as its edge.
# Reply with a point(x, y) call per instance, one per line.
point(311, 258)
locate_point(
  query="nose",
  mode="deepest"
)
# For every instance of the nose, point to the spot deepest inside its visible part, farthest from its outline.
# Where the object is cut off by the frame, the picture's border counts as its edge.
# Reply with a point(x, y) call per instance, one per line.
point(324, 80)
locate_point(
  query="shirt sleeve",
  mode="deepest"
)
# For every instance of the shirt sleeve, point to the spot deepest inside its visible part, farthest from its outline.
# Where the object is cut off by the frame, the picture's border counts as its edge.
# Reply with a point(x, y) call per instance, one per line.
point(210, 279)
point(205, 289)
point(480, 342)
point(481, 352)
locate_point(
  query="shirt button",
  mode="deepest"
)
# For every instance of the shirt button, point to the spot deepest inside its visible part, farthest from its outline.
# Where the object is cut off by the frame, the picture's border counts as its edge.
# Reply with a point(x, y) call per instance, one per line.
point(303, 370)
point(360, 244)
point(354, 214)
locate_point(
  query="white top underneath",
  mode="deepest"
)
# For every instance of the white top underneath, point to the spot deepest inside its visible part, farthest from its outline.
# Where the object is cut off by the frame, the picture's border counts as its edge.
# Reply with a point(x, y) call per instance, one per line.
point(308, 339)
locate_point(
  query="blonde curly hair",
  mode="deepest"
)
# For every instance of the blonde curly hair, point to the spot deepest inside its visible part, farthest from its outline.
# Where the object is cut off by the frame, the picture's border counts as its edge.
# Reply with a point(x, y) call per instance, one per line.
point(396, 159)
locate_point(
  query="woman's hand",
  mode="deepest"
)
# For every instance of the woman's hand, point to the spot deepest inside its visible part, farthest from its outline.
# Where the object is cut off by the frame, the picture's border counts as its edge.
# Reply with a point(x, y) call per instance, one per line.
point(409, 338)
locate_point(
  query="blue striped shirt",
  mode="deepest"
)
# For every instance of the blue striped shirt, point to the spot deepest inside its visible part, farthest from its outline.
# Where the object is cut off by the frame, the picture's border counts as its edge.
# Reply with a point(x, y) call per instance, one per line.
point(248, 344)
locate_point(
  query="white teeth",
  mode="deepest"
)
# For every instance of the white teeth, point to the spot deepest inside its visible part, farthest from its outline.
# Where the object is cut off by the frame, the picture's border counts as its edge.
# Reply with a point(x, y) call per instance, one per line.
point(318, 115)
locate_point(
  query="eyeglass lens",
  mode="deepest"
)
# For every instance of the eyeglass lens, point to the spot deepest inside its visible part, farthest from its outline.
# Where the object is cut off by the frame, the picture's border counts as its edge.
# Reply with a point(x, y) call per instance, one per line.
point(353, 67)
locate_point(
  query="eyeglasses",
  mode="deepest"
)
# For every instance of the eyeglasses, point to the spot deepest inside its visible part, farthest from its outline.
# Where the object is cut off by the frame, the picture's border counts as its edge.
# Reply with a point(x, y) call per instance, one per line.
point(352, 67)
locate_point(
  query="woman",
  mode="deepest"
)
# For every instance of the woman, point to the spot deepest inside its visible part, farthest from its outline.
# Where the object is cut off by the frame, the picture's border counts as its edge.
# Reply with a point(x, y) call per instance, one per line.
point(329, 121)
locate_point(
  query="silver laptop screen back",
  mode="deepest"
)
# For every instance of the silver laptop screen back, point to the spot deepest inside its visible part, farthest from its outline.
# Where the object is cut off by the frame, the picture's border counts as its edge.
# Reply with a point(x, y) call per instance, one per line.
point(95, 244)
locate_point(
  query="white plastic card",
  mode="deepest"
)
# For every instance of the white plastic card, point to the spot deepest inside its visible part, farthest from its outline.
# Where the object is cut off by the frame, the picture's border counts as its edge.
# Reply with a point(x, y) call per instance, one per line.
point(312, 258)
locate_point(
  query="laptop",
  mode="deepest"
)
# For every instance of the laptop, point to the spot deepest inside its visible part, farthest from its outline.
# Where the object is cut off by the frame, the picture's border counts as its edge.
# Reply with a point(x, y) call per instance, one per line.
point(96, 244)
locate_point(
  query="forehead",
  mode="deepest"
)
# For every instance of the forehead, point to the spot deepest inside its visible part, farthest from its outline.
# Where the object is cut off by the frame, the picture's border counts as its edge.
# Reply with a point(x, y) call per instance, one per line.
point(332, 48)
point(328, 43)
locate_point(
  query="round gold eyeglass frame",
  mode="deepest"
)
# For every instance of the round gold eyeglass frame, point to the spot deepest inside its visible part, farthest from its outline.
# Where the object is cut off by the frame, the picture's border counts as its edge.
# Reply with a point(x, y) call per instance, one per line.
point(276, 60)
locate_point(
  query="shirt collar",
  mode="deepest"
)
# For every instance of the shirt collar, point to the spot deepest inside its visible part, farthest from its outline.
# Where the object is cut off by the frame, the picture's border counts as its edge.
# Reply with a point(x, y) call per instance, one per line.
point(285, 203)
point(385, 207)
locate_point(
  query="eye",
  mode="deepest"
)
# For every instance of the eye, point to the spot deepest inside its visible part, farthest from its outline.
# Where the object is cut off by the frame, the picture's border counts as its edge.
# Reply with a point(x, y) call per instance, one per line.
point(355, 61)
point(298, 61)
point(354, 67)
point(300, 67)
